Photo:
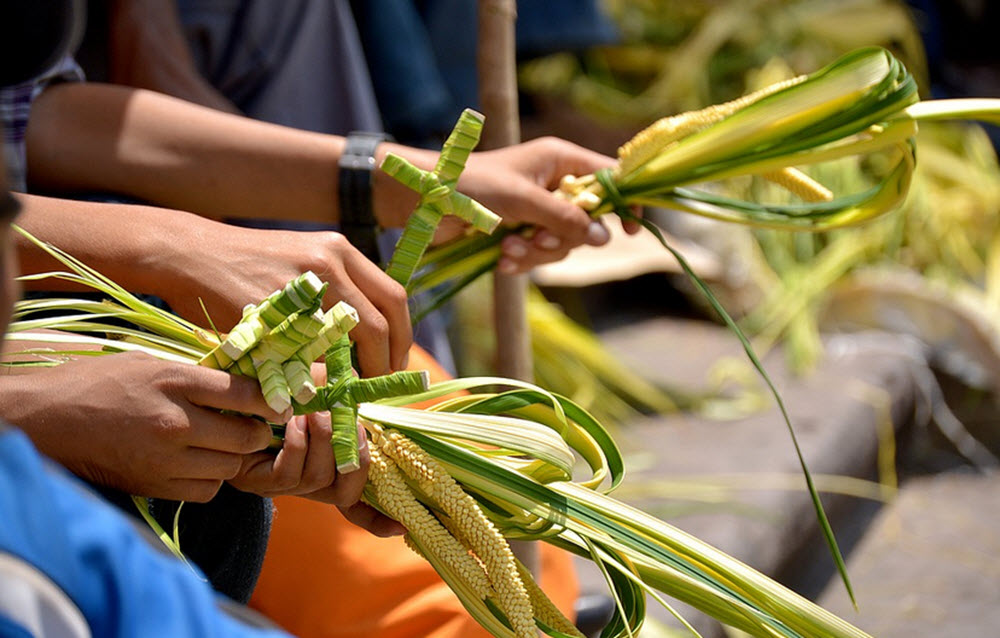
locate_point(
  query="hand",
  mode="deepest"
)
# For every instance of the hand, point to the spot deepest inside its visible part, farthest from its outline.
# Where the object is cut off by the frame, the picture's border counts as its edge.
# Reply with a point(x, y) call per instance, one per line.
point(229, 267)
point(516, 183)
point(305, 466)
point(141, 425)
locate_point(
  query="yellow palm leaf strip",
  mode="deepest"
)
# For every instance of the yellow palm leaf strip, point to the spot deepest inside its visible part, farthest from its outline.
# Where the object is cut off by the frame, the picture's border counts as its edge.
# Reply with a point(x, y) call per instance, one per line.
point(545, 610)
point(651, 141)
point(397, 500)
point(470, 524)
point(798, 183)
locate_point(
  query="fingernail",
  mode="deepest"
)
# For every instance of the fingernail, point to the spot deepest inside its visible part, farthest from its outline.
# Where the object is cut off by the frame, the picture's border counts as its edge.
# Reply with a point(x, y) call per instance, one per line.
point(507, 267)
point(597, 234)
point(515, 250)
point(550, 242)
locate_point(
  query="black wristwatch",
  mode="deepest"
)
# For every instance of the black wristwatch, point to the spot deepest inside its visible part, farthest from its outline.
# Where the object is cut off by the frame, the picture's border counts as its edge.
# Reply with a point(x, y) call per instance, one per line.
point(356, 177)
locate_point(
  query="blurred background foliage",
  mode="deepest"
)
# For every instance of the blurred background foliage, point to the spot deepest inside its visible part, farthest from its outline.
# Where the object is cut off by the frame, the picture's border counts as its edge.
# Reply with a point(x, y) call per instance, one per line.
point(930, 270)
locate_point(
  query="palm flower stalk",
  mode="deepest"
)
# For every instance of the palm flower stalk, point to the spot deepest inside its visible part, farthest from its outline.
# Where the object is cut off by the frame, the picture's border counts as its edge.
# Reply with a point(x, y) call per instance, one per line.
point(499, 462)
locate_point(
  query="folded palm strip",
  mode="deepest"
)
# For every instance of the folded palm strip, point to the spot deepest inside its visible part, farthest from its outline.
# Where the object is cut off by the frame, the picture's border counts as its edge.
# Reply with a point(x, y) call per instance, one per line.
point(495, 463)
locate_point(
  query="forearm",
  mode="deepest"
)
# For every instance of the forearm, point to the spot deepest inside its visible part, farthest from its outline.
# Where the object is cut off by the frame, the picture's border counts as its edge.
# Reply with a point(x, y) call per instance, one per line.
point(96, 137)
point(142, 248)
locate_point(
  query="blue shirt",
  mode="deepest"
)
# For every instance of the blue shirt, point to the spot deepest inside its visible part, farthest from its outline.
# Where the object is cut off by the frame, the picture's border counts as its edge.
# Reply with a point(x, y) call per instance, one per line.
point(122, 586)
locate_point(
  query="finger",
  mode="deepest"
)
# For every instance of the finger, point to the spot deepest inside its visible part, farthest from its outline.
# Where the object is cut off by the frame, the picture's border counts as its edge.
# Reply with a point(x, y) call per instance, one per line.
point(572, 159)
point(255, 473)
point(367, 517)
point(286, 472)
point(508, 266)
point(597, 234)
point(351, 485)
point(223, 391)
point(535, 257)
point(200, 463)
point(227, 432)
point(632, 226)
point(514, 247)
point(390, 298)
point(319, 468)
point(559, 217)
point(544, 240)
point(348, 487)
point(371, 337)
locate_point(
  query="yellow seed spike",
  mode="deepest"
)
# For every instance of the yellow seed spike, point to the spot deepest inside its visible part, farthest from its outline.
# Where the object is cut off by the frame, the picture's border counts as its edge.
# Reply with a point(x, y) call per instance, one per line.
point(397, 500)
point(545, 609)
point(798, 183)
point(470, 524)
point(650, 141)
point(479, 580)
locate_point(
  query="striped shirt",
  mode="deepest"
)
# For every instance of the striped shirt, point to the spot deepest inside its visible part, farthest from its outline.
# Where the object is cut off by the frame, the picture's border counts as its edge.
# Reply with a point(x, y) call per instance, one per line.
point(15, 108)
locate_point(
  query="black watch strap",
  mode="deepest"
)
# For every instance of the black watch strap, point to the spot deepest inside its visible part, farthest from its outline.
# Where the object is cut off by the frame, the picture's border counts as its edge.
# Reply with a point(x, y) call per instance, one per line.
point(355, 180)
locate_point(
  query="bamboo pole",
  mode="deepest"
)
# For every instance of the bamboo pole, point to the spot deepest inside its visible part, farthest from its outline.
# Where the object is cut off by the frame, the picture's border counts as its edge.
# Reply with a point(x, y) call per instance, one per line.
point(496, 65)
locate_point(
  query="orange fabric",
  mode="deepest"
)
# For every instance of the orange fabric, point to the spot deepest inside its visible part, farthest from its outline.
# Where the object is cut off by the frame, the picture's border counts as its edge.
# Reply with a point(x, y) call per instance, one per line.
point(325, 578)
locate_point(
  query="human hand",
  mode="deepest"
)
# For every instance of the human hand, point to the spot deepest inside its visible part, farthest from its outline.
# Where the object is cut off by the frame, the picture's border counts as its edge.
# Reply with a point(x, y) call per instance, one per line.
point(305, 466)
point(228, 267)
point(516, 183)
point(142, 425)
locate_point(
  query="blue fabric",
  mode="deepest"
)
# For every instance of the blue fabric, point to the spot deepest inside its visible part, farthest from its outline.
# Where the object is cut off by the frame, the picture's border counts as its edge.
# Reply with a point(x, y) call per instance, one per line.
point(122, 586)
point(422, 54)
point(413, 97)
point(10, 629)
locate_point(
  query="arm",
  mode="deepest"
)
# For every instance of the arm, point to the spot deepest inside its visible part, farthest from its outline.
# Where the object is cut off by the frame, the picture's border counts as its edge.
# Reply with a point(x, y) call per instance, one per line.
point(182, 258)
point(149, 51)
point(94, 137)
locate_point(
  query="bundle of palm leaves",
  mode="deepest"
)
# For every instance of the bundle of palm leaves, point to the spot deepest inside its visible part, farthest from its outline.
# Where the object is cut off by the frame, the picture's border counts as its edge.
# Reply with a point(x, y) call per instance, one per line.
point(500, 461)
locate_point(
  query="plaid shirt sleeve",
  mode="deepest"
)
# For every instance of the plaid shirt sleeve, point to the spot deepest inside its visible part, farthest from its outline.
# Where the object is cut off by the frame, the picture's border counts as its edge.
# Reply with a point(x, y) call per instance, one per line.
point(15, 107)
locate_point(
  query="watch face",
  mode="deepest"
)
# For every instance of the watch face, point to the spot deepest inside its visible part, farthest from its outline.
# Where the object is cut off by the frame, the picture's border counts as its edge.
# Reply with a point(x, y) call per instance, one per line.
point(36, 34)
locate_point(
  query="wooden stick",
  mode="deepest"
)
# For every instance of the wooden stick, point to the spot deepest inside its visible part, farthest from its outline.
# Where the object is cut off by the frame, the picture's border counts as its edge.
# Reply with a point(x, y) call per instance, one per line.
point(496, 63)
